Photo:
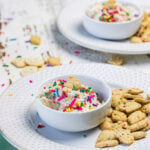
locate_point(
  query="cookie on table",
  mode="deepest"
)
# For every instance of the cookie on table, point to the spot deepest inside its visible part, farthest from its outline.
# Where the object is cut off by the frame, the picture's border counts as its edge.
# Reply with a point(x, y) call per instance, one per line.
point(136, 117)
point(106, 135)
point(142, 100)
point(124, 136)
point(148, 126)
point(28, 70)
point(131, 97)
point(118, 116)
point(139, 135)
point(135, 91)
point(34, 61)
point(106, 124)
point(146, 108)
point(138, 126)
point(54, 61)
point(19, 62)
point(108, 143)
point(110, 112)
point(36, 40)
point(120, 124)
point(132, 106)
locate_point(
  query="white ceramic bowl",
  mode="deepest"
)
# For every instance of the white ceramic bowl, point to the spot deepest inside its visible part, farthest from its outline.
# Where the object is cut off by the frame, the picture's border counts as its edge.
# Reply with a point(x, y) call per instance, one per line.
point(77, 121)
point(113, 30)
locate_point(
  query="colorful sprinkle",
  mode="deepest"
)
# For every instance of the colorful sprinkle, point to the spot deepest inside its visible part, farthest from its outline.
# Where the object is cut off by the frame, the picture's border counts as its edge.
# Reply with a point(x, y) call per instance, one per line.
point(40, 126)
point(13, 39)
point(76, 52)
point(18, 56)
point(30, 81)
point(66, 43)
point(5, 65)
point(2, 85)
point(32, 94)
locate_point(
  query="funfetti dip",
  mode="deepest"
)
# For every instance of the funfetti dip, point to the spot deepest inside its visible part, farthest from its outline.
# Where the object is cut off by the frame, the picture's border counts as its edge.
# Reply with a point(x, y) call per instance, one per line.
point(112, 11)
point(70, 96)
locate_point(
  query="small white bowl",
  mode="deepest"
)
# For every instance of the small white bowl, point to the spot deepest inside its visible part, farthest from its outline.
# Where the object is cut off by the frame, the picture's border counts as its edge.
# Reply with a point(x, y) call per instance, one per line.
point(77, 121)
point(113, 30)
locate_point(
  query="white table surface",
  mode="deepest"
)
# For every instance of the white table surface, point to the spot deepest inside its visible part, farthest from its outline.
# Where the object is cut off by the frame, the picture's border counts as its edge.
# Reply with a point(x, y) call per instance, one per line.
point(41, 16)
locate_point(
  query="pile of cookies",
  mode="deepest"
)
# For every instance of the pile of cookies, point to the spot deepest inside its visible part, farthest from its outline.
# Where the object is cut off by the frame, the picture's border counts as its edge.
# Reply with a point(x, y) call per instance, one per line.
point(127, 119)
point(143, 34)
point(33, 64)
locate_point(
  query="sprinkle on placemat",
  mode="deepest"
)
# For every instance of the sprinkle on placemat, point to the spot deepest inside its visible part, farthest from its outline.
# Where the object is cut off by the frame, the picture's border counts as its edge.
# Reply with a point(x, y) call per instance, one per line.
point(84, 135)
point(66, 43)
point(40, 126)
point(13, 39)
point(35, 47)
point(2, 85)
point(32, 94)
point(70, 62)
point(30, 81)
point(76, 52)
point(5, 65)
point(10, 94)
point(18, 56)
point(28, 41)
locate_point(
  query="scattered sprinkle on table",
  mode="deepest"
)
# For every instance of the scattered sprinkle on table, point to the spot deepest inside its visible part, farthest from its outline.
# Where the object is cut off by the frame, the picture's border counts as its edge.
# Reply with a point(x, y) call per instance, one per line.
point(35, 47)
point(66, 43)
point(13, 39)
point(76, 52)
point(84, 135)
point(30, 81)
point(5, 65)
point(32, 94)
point(2, 85)
point(19, 56)
point(70, 62)
point(40, 126)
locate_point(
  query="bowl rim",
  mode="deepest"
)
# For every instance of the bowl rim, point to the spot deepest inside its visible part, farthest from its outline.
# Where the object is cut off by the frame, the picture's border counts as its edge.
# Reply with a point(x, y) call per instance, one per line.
point(139, 8)
point(37, 99)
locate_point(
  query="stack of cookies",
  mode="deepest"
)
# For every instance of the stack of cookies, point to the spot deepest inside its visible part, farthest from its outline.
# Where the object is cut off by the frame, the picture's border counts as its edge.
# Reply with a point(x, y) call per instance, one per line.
point(127, 119)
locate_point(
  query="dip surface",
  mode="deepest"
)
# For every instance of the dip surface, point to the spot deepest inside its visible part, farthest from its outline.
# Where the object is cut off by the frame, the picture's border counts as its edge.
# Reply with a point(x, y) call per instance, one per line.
point(112, 12)
point(69, 96)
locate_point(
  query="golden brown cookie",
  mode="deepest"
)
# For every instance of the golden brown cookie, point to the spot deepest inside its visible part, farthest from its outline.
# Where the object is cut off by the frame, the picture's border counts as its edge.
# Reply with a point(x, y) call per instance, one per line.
point(146, 108)
point(138, 126)
point(118, 116)
point(108, 143)
point(106, 124)
point(35, 40)
point(139, 135)
point(18, 62)
point(28, 70)
point(54, 61)
point(132, 106)
point(136, 117)
point(135, 91)
point(124, 136)
point(34, 61)
point(106, 135)
point(147, 127)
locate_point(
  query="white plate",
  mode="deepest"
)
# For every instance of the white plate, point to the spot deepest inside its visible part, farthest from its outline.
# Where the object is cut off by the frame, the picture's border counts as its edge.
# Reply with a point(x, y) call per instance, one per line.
point(70, 25)
point(15, 110)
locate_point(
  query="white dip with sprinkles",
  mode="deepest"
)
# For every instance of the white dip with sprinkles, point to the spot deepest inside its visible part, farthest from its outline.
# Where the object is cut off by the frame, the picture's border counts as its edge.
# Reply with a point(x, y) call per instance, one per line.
point(70, 96)
point(112, 11)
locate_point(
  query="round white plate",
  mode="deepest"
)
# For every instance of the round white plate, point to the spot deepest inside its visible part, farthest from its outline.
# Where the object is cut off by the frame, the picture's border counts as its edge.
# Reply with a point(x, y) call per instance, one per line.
point(70, 25)
point(19, 119)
